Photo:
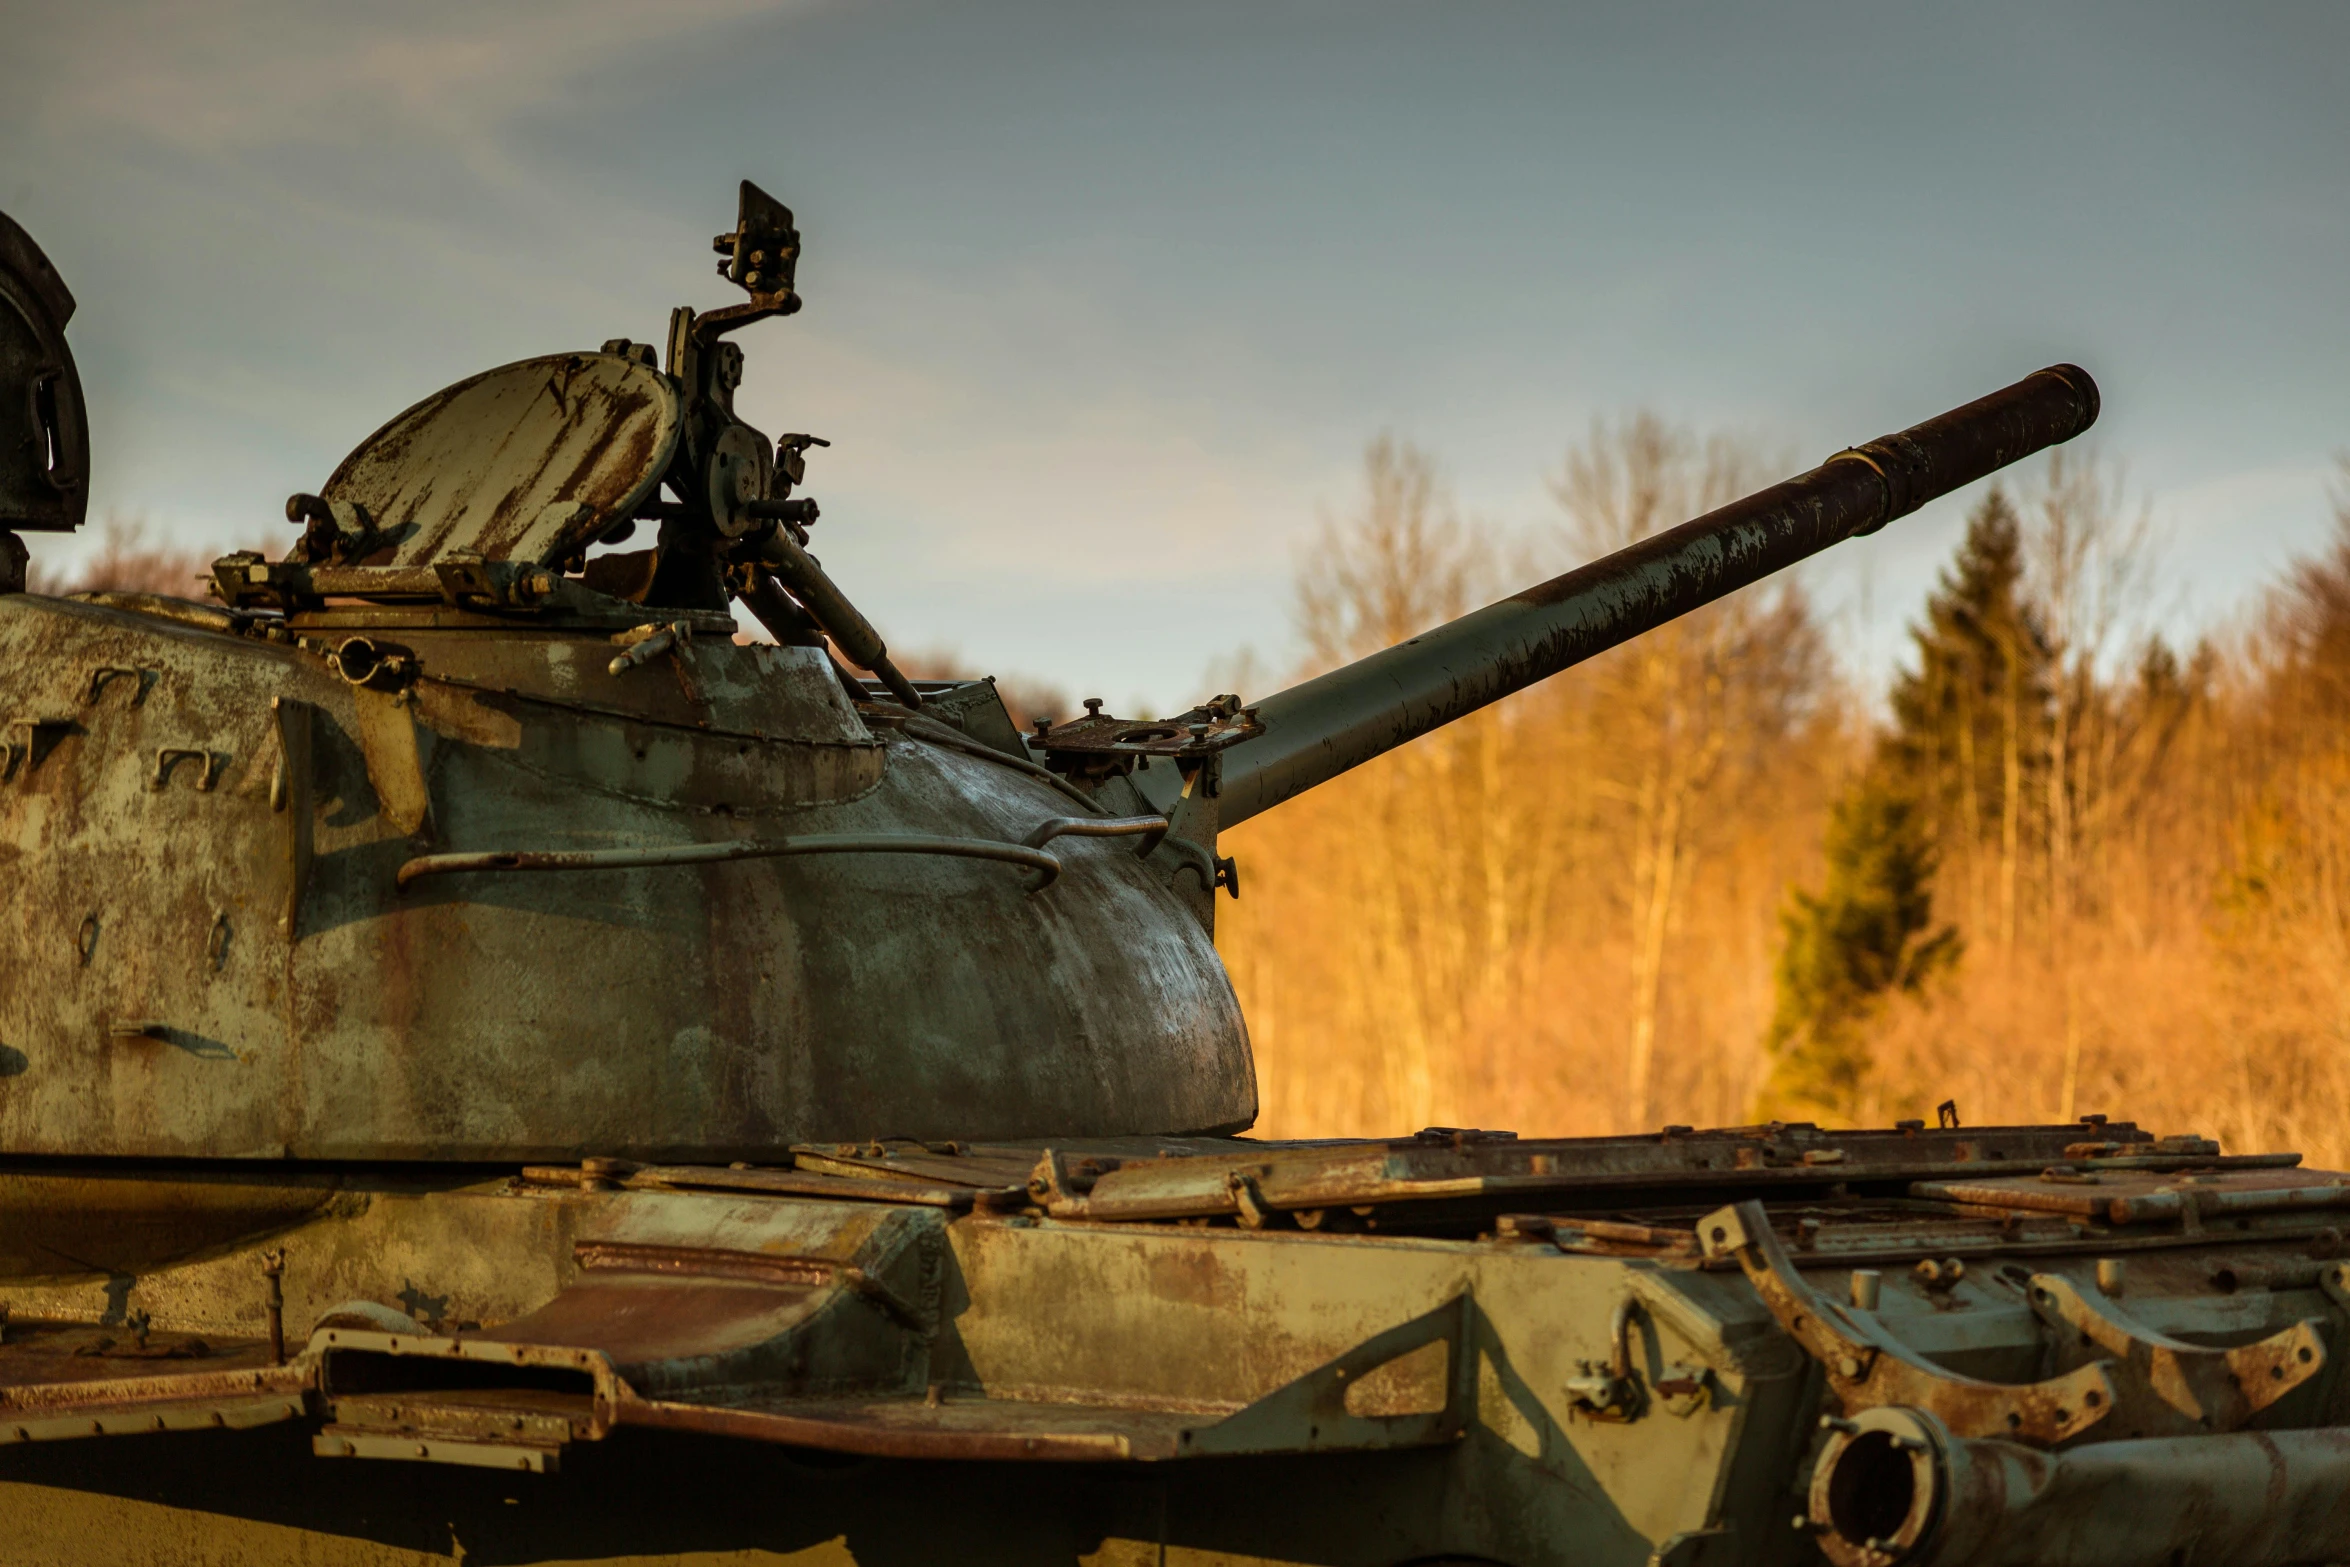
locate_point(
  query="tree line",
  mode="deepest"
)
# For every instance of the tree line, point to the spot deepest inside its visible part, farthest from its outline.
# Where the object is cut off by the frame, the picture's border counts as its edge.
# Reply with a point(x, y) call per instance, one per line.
point(2063, 867)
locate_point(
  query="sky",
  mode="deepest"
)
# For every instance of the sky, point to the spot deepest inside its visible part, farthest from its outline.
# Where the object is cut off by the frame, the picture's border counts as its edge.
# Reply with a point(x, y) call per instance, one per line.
point(1103, 301)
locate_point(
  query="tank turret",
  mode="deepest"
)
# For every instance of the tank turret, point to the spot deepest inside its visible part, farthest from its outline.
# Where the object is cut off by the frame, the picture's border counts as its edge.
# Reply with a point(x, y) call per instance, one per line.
point(485, 846)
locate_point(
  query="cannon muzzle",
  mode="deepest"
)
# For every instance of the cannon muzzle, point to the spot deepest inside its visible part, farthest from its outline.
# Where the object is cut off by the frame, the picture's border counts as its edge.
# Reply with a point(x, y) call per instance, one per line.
point(1315, 731)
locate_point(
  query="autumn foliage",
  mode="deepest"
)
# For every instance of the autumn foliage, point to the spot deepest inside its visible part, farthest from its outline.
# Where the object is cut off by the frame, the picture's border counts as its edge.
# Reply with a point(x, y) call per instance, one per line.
point(1701, 880)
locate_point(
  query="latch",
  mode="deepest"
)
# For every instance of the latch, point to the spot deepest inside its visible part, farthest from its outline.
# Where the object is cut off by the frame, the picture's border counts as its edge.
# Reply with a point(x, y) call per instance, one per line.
point(340, 532)
point(1611, 1391)
point(1614, 1391)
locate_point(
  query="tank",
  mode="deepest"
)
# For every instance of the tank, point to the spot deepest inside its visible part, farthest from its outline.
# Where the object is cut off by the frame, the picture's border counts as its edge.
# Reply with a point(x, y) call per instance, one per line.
point(494, 1070)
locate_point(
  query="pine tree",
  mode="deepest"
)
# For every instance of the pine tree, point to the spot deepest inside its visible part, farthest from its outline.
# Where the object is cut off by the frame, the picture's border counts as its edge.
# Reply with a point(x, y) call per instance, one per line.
point(1861, 941)
point(1970, 721)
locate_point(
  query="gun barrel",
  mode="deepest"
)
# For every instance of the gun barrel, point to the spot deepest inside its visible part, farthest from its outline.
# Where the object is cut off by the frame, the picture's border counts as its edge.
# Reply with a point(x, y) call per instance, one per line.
point(1317, 730)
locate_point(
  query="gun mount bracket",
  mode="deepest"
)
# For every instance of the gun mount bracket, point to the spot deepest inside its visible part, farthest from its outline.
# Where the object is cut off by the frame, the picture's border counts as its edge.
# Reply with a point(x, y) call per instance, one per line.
point(1099, 743)
point(1868, 1367)
point(2169, 1386)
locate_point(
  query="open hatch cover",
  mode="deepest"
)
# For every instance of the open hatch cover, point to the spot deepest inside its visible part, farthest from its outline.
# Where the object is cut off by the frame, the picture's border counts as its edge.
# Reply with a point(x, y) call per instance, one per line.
point(530, 462)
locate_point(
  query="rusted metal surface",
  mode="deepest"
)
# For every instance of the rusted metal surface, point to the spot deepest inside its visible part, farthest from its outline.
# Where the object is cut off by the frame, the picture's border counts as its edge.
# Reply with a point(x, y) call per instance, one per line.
point(794, 1183)
point(2194, 1196)
point(1867, 1366)
point(1318, 730)
point(529, 462)
point(1099, 741)
point(1486, 1168)
point(2165, 1385)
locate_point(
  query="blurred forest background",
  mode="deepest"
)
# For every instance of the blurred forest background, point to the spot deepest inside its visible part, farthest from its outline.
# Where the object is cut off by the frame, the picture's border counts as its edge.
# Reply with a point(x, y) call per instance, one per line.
point(2051, 865)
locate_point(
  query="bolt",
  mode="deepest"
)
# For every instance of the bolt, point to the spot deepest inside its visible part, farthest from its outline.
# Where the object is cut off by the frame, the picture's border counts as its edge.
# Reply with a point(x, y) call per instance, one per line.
point(1838, 1423)
point(2109, 1276)
point(1093, 707)
point(1847, 1366)
point(1867, 1284)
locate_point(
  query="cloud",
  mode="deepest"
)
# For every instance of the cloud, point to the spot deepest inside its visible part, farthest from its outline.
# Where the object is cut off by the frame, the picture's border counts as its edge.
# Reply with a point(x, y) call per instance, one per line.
point(240, 75)
point(2228, 500)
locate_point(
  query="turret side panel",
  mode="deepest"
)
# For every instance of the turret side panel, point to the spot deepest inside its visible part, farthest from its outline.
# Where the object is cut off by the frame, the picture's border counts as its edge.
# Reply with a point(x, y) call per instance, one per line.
point(169, 993)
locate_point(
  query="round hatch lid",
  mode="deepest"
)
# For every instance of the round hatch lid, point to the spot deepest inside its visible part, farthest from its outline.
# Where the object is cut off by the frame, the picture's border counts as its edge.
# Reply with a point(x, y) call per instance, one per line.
point(528, 462)
point(44, 437)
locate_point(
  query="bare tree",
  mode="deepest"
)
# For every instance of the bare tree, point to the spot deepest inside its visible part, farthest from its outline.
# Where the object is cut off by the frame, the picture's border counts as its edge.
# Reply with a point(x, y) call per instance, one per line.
point(1672, 698)
point(1421, 868)
point(130, 559)
point(2090, 562)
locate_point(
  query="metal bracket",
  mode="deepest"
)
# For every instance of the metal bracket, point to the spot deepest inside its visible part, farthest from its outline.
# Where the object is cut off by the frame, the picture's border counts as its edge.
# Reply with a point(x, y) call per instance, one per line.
point(337, 532)
point(1310, 1414)
point(1867, 1366)
point(210, 765)
point(144, 682)
point(2171, 1386)
point(34, 739)
point(291, 790)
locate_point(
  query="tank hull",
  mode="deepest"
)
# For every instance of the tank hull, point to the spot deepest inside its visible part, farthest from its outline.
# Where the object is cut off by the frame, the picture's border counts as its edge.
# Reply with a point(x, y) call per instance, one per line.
point(1457, 1346)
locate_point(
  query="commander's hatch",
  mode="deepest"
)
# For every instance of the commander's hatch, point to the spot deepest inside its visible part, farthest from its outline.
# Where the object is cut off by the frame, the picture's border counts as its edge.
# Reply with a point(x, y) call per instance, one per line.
point(529, 463)
point(44, 438)
point(484, 499)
